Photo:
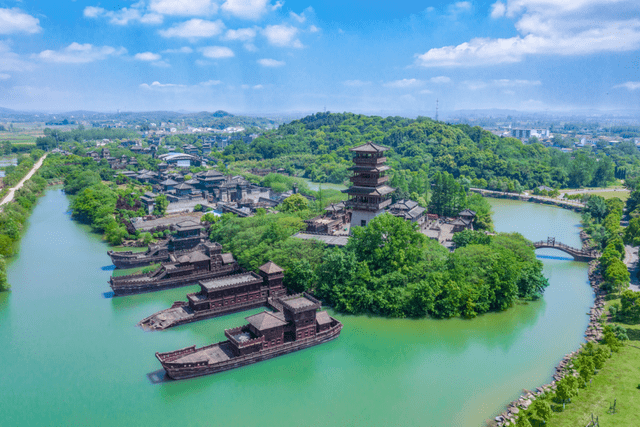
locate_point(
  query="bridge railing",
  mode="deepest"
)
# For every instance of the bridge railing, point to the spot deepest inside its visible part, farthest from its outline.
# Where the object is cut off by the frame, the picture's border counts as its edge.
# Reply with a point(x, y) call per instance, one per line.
point(570, 249)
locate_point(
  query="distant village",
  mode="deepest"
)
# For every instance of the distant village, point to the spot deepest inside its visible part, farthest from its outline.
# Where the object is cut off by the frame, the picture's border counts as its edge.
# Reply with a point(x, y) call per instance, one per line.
point(211, 190)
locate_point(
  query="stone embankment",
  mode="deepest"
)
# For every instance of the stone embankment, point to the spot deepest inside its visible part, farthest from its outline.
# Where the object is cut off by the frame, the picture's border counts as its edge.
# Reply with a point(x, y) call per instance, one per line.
point(593, 333)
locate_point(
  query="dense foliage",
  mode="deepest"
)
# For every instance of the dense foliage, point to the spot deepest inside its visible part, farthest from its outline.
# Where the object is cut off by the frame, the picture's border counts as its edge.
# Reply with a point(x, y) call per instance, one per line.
point(390, 269)
point(12, 221)
point(318, 146)
point(262, 238)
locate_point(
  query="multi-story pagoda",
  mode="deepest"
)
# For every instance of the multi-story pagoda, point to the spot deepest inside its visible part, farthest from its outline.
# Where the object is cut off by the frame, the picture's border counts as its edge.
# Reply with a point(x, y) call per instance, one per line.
point(369, 194)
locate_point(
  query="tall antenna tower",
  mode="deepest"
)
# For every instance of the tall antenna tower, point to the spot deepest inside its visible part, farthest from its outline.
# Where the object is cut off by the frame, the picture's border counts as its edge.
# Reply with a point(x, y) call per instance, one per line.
point(436, 109)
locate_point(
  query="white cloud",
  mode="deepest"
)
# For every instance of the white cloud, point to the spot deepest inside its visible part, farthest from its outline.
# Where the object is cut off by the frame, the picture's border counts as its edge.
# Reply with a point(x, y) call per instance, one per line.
point(4, 76)
point(500, 83)
point(194, 28)
point(313, 29)
point(440, 79)
point(356, 83)
point(147, 56)
point(14, 21)
point(629, 85)
point(184, 7)
point(267, 62)
point(196, 88)
point(258, 87)
point(152, 18)
point(184, 49)
point(404, 83)
point(123, 16)
point(300, 18)
point(462, 5)
point(217, 52)
point(474, 84)
point(246, 9)
point(11, 61)
point(277, 5)
point(282, 35)
point(77, 53)
point(548, 27)
point(242, 34)
point(161, 64)
point(514, 83)
point(158, 85)
point(93, 11)
point(425, 92)
point(498, 10)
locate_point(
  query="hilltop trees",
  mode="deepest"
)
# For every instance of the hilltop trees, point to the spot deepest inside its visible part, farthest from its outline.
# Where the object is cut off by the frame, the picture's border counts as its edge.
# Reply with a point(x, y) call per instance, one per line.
point(449, 197)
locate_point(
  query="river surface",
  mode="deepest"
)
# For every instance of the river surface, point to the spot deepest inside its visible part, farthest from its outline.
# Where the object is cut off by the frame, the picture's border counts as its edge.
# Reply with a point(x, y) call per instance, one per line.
point(315, 186)
point(70, 356)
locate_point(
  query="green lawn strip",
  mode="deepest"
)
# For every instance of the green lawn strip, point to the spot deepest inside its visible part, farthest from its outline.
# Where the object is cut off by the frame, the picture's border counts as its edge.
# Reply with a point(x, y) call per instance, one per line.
point(619, 379)
point(623, 195)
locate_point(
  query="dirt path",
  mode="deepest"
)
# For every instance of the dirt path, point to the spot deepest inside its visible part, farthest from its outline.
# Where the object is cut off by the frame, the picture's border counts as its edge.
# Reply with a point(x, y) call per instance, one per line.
point(9, 196)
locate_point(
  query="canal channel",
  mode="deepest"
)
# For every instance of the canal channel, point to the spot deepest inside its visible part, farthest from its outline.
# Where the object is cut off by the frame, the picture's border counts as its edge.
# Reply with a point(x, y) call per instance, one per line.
point(71, 356)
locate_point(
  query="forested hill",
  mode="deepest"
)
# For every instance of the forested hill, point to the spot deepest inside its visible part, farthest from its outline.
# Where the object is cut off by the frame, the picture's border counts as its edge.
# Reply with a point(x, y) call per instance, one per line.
point(320, 144)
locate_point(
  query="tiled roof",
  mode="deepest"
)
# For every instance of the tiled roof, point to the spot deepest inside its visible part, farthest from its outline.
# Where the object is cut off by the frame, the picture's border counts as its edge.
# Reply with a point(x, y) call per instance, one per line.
point(271, 268)
point(369, 147)
point(323, 318)
point(264, 321)
point(227, 258)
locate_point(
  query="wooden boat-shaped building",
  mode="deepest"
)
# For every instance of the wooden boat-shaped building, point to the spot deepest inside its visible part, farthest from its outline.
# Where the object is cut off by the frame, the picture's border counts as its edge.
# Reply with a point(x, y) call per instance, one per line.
point(186, 270)
point(189, 236)
point(220, 296)
point(297, 325)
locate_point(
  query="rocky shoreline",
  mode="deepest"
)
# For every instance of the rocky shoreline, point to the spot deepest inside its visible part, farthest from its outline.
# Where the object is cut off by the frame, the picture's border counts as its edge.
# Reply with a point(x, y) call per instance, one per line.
point(593, 333)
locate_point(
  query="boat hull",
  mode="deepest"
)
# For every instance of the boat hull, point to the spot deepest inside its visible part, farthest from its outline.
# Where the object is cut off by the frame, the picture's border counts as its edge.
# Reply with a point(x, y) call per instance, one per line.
point(150, 324)
point(180, 371)
point(120, 289)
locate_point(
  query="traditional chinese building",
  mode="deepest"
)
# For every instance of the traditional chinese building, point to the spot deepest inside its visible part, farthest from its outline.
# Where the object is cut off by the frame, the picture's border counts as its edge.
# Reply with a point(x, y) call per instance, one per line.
point(369, 195)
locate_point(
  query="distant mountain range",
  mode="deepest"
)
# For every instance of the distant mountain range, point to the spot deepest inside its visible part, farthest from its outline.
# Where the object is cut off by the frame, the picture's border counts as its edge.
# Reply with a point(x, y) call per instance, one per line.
point(222, 118)
point(217, 119)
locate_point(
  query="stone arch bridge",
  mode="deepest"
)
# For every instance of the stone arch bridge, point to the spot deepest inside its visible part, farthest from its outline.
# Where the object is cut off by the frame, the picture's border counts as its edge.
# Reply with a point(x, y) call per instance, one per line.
point(577, 254)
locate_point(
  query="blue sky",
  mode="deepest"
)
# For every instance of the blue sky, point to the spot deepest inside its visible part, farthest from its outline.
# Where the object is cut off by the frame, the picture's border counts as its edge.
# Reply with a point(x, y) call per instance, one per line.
point(272, 56)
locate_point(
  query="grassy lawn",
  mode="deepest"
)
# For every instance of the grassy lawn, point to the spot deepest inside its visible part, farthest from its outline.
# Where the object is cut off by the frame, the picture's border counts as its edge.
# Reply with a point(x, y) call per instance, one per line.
point(622, 195)
point(619, 379)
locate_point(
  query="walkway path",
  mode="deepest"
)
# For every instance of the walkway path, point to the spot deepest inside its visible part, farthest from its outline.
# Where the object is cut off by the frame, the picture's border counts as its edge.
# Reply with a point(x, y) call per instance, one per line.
point(9, 196)
point(631, 259)
point(527, 197)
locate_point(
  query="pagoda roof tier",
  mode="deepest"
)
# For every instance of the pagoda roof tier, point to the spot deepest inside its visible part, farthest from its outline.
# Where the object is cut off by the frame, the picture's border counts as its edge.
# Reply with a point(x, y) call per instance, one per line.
point(369, 147)
point(369, 191)
point(362, 168)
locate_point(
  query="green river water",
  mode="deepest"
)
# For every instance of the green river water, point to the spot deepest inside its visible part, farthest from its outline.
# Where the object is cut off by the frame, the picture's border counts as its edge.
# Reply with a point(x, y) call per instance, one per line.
point(70, 356)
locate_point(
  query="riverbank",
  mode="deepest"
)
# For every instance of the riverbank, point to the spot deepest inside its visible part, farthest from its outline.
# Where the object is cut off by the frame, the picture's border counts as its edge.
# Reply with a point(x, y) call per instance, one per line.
point(567, 204)
point(9, 197)
point(593, 333)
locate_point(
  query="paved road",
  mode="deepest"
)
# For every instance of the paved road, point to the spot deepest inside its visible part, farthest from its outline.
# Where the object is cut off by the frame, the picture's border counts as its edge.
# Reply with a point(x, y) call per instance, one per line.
point(9, 196)
point(631, 259)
